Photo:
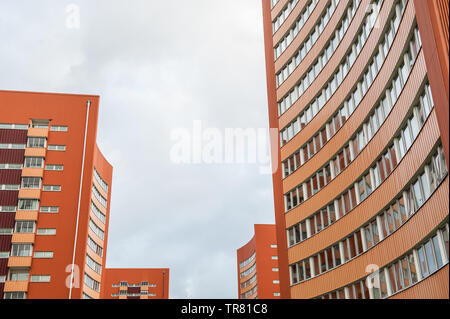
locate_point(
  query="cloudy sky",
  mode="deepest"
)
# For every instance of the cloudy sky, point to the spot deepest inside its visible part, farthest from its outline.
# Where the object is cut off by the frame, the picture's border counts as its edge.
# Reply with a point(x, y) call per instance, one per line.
point(158, 66)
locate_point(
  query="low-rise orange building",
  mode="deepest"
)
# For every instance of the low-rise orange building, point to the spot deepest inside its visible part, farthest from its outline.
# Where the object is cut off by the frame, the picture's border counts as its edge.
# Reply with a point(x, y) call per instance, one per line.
point(135, 283)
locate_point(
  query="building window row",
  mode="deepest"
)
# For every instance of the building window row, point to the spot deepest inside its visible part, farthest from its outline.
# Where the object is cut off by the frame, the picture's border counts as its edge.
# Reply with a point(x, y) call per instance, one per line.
point(96, 248)
point(361, 189)
point(100, 180)
point(98, 213)
point(297, 26)
point(8, 187)
point(10, 166)
point(43, 254)
point(273, 3)
point(248, 282)
point(285, 12)
point(49, 209)
point(40, 278)
point(142, 284)
point(54, 167)
point(15, 295)
point(14, 126)
point(91, 283)
point(318, 141)
point(12, 146)
point(61, 148)
point(34, 124)
point(59, 128)
point(249, 293)
point(306, 115)
point(310, 40)
point(247, 261)
point(7, 209)
point(93, 264)
point(6, 231)
point(363, 136)
point(46, 231)
point(401, 209)
point(100, 233)
point(418, 264)
point(98, 196)
point(248, 271)
point(51, 188)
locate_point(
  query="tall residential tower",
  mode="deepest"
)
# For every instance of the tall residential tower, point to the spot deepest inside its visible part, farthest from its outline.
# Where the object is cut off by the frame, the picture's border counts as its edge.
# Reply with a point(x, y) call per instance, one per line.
point(55, 193)
point(358, 90)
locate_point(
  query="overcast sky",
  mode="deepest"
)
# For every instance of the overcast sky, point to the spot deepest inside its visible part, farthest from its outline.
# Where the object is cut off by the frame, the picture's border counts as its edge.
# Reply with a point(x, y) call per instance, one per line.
point(157, 66)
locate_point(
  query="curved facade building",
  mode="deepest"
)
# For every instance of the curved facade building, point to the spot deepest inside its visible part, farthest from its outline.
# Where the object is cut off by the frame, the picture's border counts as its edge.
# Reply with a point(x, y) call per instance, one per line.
point(361, 196)
point(257, 265)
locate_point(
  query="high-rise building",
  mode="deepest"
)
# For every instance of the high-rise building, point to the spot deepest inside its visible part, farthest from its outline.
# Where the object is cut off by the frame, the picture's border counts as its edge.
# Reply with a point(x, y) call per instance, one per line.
point(135, 284)
point(358, 90)
point(257, 265)
point(55, 190)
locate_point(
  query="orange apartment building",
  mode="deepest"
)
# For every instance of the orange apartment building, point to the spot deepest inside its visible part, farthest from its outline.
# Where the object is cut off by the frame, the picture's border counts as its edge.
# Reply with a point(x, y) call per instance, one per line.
point(55, 190)
point(358, 90)
point(135, 284)
point(257, 265)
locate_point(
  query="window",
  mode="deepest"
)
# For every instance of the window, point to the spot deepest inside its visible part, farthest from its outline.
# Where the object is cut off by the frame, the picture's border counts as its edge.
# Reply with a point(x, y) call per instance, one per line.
point(55, 128)
point(24, 226)
point(98, 196)
point(40, 278)
point(91, 283)
point(21, 250)
point(95, 247)
point(49, 209)
point(34, 162)
point(10, 166)
point(98, 213)
point(28, 204)
point(46, 231)
point(102, 183)
point(43, 254)
point(54, 167)
point(40, 123)
point(31, 182)
point(6, 231)
point(100, 233)
point(93, 264)
point(7, 209)
point(15, 295)
point(51, 188)
point(56, 147)
point(274, 257)
point(36, 142)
